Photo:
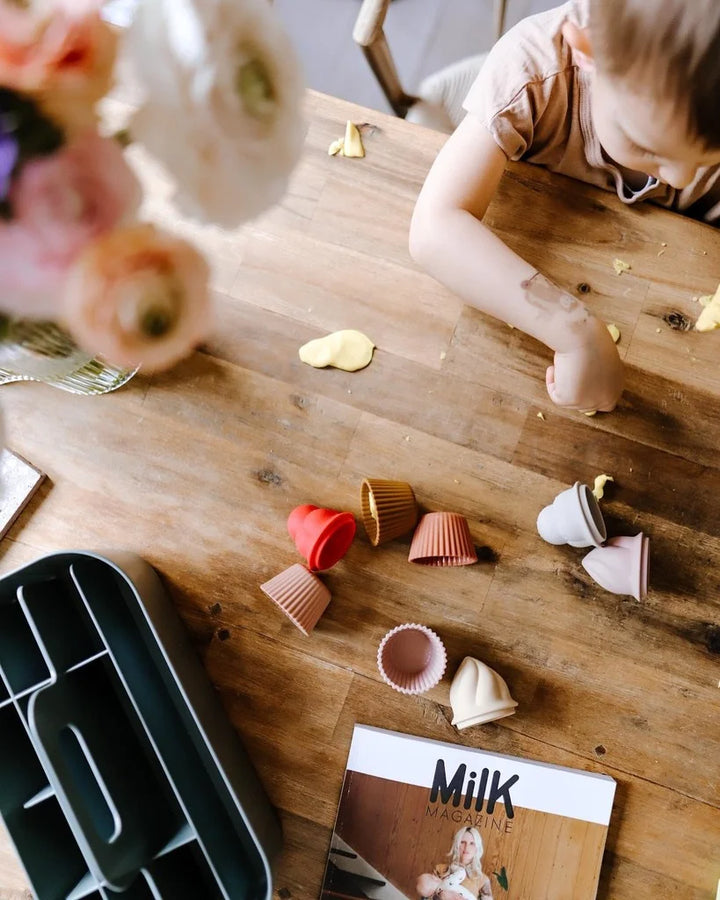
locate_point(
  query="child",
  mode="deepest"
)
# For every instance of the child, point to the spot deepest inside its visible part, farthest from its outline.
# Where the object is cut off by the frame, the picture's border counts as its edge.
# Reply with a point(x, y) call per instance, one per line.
point(622, 94)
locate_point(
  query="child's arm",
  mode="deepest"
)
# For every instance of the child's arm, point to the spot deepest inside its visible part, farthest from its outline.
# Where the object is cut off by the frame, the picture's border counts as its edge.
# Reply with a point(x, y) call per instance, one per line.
point(448, 239)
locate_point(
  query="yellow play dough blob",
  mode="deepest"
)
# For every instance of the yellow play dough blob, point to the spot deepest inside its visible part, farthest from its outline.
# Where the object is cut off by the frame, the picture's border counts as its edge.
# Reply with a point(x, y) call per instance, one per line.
point(348, 349)
point(352, 144)
point(621, 266)
point(614, 332)
point(710, 316)
point(599, 485)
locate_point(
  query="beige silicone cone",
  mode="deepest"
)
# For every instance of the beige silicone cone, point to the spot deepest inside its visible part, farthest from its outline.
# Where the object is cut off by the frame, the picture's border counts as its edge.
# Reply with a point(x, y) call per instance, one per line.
point(442, 539)
point(300, 595)
point(411, 659)
point(388, 509)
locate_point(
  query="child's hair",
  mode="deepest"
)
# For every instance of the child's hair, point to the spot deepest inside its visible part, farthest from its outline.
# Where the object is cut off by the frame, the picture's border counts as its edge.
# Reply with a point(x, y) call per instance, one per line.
point(669, 46)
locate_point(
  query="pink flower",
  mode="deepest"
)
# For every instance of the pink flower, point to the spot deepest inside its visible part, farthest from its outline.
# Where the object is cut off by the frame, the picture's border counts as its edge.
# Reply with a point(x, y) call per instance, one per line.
point(138, 296)
point(70, 198)
point(29, 284)
point(60, 204)
point(59, 52)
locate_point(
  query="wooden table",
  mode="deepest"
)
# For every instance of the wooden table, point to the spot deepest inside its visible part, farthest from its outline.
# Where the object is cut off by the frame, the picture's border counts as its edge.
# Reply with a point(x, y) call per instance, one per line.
point(197, 470)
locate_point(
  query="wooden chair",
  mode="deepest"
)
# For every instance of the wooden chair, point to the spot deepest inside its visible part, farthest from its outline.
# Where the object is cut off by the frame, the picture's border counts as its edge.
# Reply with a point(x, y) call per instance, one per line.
point(369, 34)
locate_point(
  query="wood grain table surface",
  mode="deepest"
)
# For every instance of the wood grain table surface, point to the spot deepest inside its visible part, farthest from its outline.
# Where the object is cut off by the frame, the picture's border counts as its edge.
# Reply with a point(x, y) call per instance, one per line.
point(197, 470)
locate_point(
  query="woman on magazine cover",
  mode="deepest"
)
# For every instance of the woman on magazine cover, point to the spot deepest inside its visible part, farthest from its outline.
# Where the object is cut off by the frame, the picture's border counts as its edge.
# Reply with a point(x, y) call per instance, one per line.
point(461, 879)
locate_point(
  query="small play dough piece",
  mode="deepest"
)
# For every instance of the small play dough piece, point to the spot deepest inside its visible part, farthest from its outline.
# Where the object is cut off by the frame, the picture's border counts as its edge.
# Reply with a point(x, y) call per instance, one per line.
point(348, 349)
point(353, 145)
point(710, 316)
point(336, 147)
point(478, 694)
point(621, 266)
point(614, 332)
point(599, 485)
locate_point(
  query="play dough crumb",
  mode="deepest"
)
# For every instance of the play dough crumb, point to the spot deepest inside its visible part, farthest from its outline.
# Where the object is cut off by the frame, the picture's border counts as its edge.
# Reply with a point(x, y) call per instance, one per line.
point(336, 147)
point(621, 266)
point(614, 332)
point(590, 412)
point(599, 485)
point(710, 316)
point(348, 349)
point(541, 416)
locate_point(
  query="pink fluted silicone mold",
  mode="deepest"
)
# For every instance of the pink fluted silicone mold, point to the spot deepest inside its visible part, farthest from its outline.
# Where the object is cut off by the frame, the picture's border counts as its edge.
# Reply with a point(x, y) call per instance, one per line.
point(411, 658)
point(442, 539)
point(300, 595)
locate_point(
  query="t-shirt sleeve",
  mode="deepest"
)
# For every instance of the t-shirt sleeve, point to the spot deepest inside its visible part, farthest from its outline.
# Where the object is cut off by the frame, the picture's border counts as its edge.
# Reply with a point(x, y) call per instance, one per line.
point(521, 91)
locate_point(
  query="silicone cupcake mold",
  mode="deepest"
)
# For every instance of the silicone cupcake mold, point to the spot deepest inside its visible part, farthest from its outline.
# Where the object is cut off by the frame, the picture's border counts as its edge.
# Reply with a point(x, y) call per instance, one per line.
point(478, 694)
point(322, 536)
point(621, 566)
point(300, 595)
point(388, 509)
point(573, 518)
point(442, 539)
point(411, 659)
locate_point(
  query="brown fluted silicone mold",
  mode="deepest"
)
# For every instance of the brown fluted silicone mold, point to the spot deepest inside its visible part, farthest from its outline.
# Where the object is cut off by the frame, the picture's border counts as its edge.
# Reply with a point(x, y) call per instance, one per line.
point(442, 539)
point(411, 658)
point(300, 595)
point(388, 509)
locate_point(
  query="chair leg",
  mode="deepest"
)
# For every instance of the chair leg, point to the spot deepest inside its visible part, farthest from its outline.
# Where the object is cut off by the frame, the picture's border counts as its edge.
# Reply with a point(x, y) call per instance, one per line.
point(500, 6)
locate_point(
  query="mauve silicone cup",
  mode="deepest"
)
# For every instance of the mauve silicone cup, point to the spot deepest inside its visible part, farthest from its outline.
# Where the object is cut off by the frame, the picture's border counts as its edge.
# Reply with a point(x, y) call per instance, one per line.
point(442, 539)
point(389, 509)
point(621, 566)
point(411, 658)
point(573, 518)
point(300, 595)
point(322, 536)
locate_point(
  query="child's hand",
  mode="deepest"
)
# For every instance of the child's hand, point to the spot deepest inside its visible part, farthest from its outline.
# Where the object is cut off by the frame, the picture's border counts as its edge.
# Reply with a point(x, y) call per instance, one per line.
point(590, 376)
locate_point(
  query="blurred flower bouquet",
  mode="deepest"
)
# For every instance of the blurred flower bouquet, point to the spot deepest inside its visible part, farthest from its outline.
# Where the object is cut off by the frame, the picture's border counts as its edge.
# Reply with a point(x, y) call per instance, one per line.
point(221, 112)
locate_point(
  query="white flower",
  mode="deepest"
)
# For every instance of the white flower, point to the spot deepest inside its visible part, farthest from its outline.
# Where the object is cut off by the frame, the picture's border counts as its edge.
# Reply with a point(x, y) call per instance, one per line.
point(223, 107)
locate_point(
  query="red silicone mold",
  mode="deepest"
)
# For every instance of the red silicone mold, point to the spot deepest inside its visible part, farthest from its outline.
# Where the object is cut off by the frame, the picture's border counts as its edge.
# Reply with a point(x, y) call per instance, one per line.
point(322, 536)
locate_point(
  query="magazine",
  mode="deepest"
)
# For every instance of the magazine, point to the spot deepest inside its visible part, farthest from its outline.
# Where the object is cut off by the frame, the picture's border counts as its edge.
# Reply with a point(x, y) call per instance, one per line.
point(425, 819)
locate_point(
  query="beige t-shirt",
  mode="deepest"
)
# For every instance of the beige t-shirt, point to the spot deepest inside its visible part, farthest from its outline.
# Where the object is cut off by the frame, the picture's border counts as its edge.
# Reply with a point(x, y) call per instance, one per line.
point(535, 101)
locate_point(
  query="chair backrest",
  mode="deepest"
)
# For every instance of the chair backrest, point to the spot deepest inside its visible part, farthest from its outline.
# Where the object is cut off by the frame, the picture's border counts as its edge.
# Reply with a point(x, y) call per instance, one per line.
point(369, 34)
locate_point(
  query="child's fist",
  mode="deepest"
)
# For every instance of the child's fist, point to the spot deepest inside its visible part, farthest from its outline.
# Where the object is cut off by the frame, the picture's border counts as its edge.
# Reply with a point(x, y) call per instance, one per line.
point(589, 376)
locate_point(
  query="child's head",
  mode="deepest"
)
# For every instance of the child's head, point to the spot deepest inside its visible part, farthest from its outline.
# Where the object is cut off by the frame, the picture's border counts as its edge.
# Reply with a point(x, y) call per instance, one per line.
point(656, 85)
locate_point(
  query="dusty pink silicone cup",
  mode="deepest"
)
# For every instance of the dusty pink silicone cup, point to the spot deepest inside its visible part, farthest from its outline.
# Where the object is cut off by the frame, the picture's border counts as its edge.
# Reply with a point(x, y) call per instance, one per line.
point(442, 539)
point(411, 659)
point(621, 565)
point(300, 595)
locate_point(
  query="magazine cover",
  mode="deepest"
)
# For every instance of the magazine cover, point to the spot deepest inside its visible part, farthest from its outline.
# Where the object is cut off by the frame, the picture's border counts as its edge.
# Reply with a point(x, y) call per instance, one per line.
point(425, 819)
